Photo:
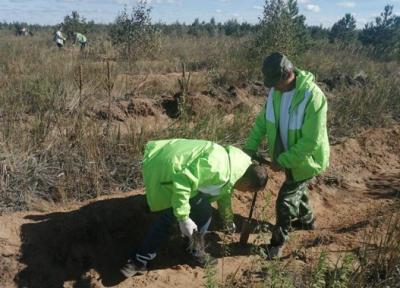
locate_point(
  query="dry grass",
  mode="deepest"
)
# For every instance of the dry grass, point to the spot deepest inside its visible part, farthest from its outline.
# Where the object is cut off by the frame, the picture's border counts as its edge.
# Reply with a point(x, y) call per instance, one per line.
point(53, 148)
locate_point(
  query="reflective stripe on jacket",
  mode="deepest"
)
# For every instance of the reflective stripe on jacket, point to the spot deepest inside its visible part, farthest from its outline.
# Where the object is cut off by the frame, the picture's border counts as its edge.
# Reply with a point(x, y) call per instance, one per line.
point(308, 144)
point(175, 170)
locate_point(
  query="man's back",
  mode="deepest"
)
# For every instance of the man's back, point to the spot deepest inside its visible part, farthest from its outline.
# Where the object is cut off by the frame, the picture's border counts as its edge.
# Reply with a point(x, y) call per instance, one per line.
point(164, 158)
point(81, 38)
point(175, 152)
point(171, 165)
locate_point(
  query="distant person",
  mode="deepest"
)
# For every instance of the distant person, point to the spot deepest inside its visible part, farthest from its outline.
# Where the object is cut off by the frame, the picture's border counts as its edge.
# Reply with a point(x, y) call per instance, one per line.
point(23, 31)
point(181, 178)
point(293, 122)
point(59, 39)
point(81, 39)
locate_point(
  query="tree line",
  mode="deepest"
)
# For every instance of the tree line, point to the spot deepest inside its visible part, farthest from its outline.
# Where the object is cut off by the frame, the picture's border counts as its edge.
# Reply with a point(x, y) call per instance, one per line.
point(280, 27)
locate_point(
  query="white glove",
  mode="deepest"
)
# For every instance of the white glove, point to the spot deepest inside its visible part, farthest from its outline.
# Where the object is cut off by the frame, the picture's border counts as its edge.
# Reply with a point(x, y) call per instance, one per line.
point(187, 227)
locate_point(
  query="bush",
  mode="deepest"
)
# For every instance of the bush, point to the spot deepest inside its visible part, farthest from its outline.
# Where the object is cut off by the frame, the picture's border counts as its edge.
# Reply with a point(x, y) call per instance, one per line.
point(344, 30)
point(282, 29)
point(384, 34)
point(74, 23)
point(134, 35)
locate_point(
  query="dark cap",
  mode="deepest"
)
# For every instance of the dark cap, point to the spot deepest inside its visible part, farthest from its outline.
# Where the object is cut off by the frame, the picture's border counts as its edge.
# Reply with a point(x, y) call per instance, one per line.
point(274, 68)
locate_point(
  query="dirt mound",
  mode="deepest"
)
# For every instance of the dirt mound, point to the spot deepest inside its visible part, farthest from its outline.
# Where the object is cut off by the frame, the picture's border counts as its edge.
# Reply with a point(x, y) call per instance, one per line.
point(201, 103)
point(123, 109)
point(154, 83)
point(335, 81)
point(84, 245)
point(372, 152)
point(168, 105)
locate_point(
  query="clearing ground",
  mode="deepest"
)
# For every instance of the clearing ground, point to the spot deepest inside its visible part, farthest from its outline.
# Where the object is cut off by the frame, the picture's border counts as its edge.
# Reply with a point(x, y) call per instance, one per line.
point(84, 245)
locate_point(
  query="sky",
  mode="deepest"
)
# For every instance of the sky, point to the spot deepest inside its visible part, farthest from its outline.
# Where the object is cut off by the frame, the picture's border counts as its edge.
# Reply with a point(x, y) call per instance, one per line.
point(317, 12)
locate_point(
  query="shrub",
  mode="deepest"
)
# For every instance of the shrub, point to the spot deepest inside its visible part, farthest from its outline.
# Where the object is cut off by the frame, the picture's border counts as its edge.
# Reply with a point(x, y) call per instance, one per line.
point(134, 35)
point(282, 29)
point(74, 23)
point(344, 30)
point(384, 34)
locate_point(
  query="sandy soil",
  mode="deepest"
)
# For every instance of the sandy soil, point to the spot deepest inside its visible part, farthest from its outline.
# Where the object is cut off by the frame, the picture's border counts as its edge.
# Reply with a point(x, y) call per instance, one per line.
point(85, 244)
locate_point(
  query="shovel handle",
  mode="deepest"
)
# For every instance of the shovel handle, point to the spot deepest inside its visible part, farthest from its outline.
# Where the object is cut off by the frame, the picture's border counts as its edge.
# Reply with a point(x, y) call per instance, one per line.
point(245, 233)
point(246, 230)
point(253, 203)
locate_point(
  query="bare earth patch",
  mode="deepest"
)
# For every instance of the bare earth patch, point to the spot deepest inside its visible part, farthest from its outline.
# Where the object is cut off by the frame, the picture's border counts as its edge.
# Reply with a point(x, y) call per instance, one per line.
point(85, 244)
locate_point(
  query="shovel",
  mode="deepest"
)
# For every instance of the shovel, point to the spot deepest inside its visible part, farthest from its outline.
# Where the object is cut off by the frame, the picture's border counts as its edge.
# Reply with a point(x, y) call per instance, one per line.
point(246, 227)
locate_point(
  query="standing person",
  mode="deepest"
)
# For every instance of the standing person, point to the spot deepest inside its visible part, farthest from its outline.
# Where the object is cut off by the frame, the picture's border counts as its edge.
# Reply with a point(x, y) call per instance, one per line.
point(181, 178)
point(81, 39)
point(293, 122)
point(59, 39)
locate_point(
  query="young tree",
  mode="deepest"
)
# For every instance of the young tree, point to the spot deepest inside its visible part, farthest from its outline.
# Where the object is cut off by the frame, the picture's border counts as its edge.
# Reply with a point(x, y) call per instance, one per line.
point(134, 35)
point(282, 29)
point(344, 30)
point(195, 28)
point(384, 34)
point(211, 27)
point(74, 23)
point(232, 27)
point(318, 32)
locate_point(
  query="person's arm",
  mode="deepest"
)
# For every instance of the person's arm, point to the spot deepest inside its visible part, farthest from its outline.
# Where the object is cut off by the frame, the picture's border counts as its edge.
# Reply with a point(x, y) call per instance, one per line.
point(313, 132)
point(225, 208)
point(256, 135)
point(184, 183)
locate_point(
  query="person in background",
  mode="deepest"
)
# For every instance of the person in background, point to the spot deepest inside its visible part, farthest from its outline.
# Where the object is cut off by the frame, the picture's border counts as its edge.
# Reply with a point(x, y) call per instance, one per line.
point(81, 39)
point(59, 38)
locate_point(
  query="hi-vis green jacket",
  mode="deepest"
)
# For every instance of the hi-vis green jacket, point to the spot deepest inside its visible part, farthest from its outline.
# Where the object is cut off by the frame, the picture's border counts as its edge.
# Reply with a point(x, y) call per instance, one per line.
point(308, 144)
point(176, 170)
point(81, 38)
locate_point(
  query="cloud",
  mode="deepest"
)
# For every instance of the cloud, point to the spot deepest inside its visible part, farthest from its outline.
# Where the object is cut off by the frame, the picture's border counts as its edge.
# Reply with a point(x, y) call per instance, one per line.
point(346, 4)
point(237, 15)
point(313, 8)
point(303, 1)
point(258, 7)
point(218, 11)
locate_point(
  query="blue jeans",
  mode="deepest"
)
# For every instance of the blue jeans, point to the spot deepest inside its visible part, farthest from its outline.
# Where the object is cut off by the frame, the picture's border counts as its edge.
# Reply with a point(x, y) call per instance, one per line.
point(160, 230)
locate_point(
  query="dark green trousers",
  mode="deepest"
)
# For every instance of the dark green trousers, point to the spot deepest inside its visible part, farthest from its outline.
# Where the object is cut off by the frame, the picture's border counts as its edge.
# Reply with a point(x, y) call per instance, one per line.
point(291, 205)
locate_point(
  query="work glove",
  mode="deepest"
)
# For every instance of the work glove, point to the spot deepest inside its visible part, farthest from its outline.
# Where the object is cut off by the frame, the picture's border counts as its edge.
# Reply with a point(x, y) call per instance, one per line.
point(230, 227)
point(187, 227)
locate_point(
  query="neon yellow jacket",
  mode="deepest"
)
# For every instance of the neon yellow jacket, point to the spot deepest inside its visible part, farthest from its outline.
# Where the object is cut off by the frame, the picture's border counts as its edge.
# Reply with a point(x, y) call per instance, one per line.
point(308, 144)
point(175, 170)
point(81, 38)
